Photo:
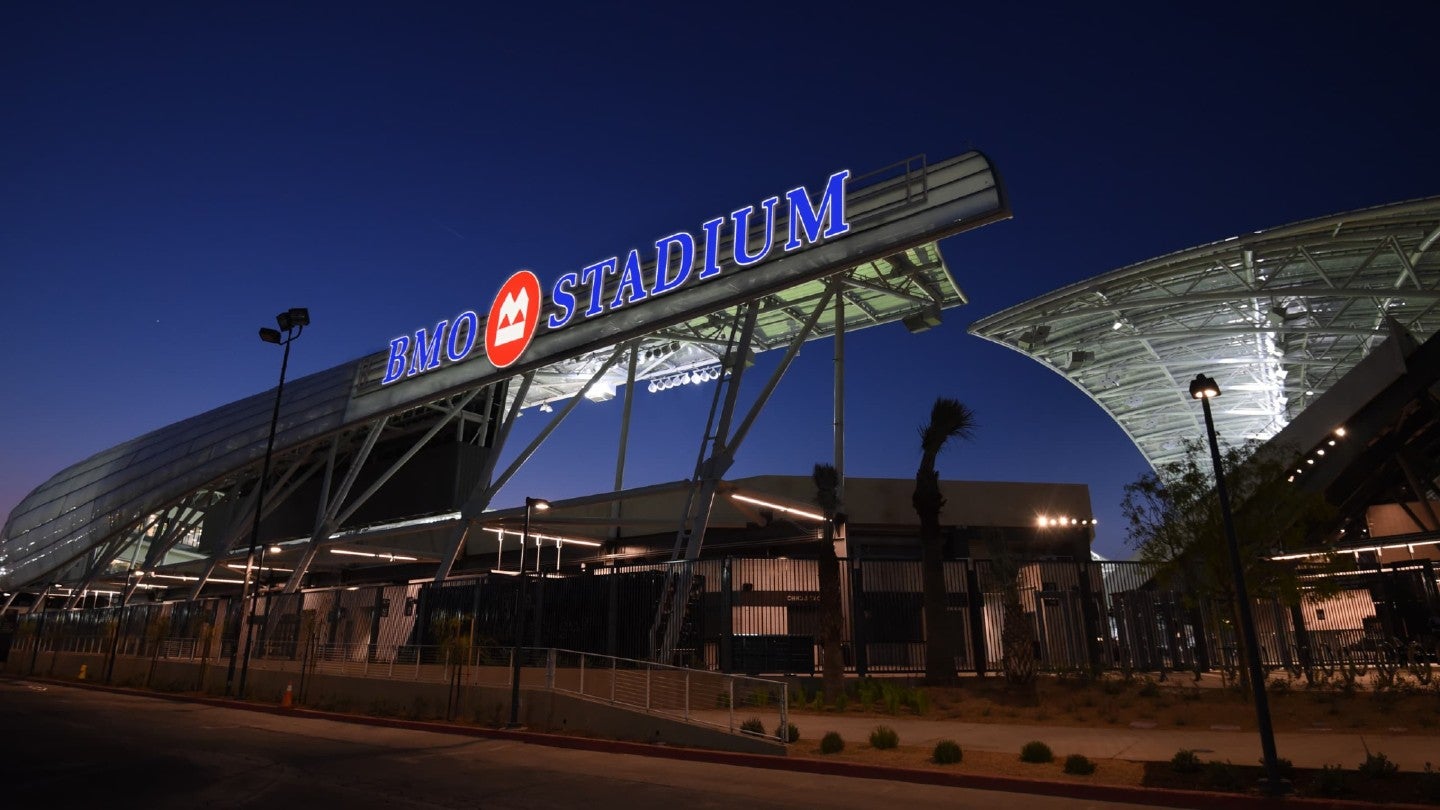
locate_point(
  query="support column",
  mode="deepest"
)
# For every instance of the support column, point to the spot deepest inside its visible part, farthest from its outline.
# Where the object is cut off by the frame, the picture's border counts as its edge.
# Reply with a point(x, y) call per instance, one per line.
point(839, 394)
point(977, 618)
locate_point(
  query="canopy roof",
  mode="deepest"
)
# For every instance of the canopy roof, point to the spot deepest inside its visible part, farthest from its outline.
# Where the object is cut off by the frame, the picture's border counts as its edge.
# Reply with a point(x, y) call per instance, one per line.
point(1276, 317)
point(166, 483)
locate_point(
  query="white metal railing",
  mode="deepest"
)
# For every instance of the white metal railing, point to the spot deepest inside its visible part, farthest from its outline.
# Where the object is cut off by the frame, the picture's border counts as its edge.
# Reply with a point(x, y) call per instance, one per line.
point(732, 702)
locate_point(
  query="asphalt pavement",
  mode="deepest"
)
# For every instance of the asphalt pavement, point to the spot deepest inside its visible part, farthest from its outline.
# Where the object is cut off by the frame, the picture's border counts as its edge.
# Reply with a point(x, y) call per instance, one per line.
point(75, 747)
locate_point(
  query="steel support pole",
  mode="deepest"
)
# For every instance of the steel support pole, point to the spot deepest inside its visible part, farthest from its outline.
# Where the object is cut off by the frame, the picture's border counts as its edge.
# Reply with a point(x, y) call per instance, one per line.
point(1273, 783)
point(840, 387)
point(518, 624)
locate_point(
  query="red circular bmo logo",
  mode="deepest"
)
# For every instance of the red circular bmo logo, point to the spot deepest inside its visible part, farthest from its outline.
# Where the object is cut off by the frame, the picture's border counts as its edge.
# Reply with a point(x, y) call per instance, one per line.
point(513, 318)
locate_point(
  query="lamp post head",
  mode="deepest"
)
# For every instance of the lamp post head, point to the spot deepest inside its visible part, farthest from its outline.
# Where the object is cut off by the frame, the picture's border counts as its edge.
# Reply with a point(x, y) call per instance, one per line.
point(537, 503)
point(1203, 387)
point(269, 335)
point(299, 316)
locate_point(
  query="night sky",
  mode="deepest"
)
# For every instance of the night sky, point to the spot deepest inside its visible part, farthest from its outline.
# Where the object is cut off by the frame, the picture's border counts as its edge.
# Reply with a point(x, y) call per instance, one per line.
point(171, 176)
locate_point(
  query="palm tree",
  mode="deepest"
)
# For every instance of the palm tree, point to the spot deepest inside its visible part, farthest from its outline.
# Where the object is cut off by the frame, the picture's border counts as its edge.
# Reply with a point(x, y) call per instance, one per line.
point(832, 623)
point(949, 419)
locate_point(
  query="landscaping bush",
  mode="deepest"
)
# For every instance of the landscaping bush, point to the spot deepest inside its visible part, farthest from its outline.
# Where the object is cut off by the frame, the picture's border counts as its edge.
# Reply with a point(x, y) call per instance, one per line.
point(1430, 784)
point(832, 743)
point(1036, 751)
point(789, 734)
point(1149, 689)
point(884, 737)
point(1223, 776)
point(1185, 761)
point(841, 702)
point(947, 752)
point(1079, 765)
point(919, 701)
point(1377, 766)
point(754, 726)
point(1330, 782)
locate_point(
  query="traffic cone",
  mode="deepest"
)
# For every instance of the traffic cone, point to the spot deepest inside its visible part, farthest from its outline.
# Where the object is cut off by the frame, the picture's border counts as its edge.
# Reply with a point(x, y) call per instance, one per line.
point(289, 700)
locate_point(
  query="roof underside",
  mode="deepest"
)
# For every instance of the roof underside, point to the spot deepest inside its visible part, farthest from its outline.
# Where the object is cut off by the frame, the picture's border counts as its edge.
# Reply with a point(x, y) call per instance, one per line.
point(1276, 317)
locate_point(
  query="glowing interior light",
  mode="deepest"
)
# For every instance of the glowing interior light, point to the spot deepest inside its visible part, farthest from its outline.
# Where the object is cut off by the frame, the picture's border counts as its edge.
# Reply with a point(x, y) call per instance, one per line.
point(777, 507)
point(1319, 452)
point(1332, 442)
point(1340, 431)
point(1309, 461)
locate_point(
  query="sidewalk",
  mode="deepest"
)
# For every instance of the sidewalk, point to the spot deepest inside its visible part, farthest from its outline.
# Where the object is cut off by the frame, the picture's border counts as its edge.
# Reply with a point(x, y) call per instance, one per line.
point(1309, 749)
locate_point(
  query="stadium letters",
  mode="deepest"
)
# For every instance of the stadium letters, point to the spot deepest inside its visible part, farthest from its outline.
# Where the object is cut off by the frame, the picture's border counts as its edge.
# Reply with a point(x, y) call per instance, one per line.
point(582, 294)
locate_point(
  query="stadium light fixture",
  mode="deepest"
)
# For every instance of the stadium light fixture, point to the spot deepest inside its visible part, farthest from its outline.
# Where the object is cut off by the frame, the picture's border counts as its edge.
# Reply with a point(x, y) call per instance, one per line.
point(292, 323)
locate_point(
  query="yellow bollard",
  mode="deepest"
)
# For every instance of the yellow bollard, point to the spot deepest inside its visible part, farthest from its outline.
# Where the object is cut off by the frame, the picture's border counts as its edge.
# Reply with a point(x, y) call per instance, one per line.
point(82, 672)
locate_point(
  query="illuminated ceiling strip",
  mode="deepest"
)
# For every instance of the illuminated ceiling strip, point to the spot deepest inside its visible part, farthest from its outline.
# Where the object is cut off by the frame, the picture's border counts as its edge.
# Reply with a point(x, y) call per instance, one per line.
point(187, 578)
point(387, 557)
point(1387, 547)
point(538, 537)
point(239, 567)
point(779, 508)
point(403, 524)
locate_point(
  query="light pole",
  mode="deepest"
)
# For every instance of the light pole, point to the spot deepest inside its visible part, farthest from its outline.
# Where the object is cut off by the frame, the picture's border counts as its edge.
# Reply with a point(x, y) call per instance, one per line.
point(292, 322)
point(1205, 389)
point(518, 623)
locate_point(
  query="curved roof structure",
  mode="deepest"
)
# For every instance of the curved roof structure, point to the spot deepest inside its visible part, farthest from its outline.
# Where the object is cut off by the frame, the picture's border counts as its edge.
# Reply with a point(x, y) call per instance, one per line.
point(1275, 316)
point(197, 478)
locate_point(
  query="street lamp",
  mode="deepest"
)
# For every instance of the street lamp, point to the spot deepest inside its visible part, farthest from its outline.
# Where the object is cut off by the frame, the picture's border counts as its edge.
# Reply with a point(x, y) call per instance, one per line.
point(291, 322)
point(518, 624)
point(1205, 389)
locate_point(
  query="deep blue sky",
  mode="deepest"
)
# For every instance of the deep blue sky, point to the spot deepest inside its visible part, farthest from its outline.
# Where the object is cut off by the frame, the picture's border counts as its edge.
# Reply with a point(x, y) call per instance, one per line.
point(172, 176)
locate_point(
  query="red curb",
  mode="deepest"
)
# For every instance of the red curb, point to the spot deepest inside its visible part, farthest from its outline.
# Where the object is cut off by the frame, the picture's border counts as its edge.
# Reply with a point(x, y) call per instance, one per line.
point(1163, 797)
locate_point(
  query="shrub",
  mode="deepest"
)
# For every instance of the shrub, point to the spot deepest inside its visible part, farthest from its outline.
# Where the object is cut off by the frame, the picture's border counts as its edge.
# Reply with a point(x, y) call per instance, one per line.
point(1285, 767)
point(1377, 766)
point(1036, 751)
point(867, 691)
point(753, 726)
point(947, 752)
point(884, 737)
point(892, 696)
point(1185, 761)
point(919, 701)
point(841, 702)
point(832, 743)
point(1223, 776)
point(1149, 689)
point(788, 733)
point(1079, 764)
point(1330, 782)
point(1430, 784)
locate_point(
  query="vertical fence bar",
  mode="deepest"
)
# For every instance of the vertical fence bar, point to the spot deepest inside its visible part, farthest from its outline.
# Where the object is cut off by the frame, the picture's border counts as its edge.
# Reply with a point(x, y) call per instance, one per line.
point(647, 686)
point(730, 684)
point(614, 673)
point(550, 669)
point(687, 695)
point(582, 673)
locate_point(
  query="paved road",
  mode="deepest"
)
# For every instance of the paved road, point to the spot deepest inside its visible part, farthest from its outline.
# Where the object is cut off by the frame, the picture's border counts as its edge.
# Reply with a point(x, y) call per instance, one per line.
point(67, 747)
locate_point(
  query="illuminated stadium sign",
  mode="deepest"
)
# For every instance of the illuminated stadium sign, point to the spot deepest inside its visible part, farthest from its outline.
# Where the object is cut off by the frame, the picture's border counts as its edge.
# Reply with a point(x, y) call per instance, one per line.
point(514, 317)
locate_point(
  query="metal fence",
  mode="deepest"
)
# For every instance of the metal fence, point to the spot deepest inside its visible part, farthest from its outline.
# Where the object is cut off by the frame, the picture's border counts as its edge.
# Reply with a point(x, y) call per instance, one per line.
point(758, 616)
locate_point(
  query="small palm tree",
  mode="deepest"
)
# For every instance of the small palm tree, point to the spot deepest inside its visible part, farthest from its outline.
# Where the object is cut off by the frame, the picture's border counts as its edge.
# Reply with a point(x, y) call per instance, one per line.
point(832, 624)
point(949, 419)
